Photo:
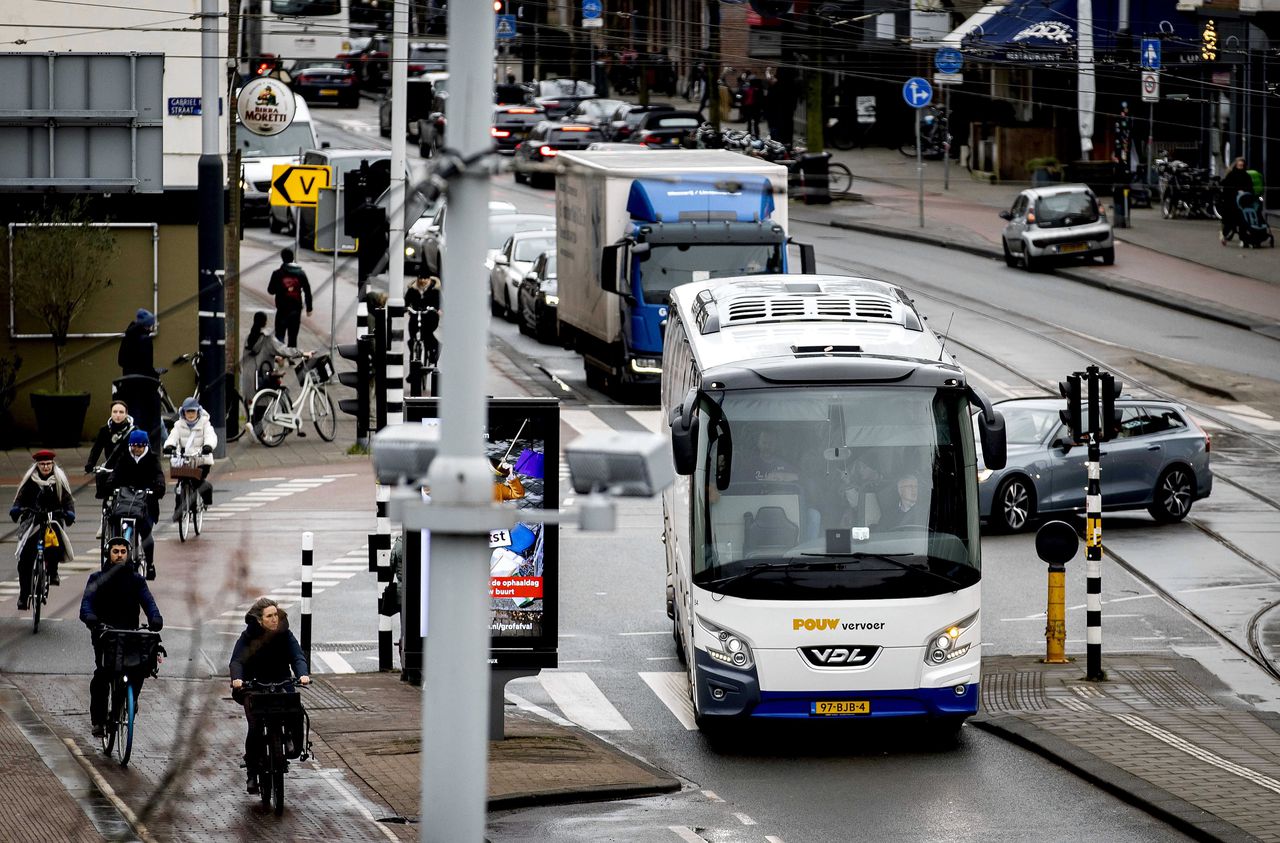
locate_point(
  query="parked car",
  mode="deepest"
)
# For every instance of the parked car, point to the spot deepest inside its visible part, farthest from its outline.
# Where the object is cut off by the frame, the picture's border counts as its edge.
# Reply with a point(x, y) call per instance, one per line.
point(1056, 223)
point(512, 124)
point(501, 228)
point(426, 237)
point(537, 298)
point(665, 129)
point(557, 96)
point(325, 80)
point(593, 112)
point(510, 265)
point(259, 154)
point(535, 157)
point(626, 117)
point(1159, 462)
point(342, 161)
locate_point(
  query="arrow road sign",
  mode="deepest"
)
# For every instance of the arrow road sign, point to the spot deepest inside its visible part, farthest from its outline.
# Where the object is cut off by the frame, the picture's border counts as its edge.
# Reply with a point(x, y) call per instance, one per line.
point(1150, 53)
point(298, 185)
point(1151, 86)
point(948, 61)
point(917, 92)
point(506, 27)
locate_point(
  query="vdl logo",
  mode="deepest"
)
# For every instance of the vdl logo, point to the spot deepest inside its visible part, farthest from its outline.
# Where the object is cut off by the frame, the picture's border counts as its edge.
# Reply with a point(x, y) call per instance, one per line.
point(849, 656)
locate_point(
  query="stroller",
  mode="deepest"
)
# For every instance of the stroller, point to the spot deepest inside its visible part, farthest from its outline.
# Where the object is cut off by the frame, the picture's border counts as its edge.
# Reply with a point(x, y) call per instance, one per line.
point(1252, 221)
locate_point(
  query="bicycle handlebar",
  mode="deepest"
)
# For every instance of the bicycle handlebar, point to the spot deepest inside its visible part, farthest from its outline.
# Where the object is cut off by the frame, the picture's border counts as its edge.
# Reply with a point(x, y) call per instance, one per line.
point(272, 687)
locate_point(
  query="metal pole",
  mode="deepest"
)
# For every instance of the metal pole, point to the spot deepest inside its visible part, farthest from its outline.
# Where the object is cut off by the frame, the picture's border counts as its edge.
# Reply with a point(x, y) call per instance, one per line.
point(308, 545)
point(395, 200)
point(455, 704)
point(210, 187)
point(946, 141)
point(919, 170)
point(333, 279)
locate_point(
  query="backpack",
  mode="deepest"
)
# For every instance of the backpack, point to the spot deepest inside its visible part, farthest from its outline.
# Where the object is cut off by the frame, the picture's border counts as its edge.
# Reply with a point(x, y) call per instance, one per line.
point(292, 285)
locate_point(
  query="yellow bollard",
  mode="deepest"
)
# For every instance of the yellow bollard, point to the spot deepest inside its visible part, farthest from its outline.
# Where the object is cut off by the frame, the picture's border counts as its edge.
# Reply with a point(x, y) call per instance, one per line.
point(1056, 544)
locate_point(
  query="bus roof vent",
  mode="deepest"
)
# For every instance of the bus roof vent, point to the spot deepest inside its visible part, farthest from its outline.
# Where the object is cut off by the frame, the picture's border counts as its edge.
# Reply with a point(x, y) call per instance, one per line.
point(873, 307)
point(788, 303)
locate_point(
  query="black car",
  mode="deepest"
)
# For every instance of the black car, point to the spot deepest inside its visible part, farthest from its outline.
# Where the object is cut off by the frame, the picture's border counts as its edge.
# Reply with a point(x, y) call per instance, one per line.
point(325, 81)
point(512, 124)
point(538, 300)
point(558, 96)
point(535, 156)
point(626, 117)
point(666, 129)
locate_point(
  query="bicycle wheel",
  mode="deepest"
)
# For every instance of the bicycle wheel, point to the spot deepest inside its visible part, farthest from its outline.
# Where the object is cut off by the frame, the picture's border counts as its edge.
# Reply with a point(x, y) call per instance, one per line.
point(116, 702)
point(839, 179)
point(264, 782)
point(262, 414)
point(322, 415)
point(124, 726)
point(197, 513)
point(908, 149)
point(183, 510)
point(235, 427)
point(39, 588)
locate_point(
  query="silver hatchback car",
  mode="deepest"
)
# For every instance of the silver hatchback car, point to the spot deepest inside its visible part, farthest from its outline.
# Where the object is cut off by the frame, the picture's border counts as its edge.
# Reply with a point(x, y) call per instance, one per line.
point(1159, 462)
point(1055, 223)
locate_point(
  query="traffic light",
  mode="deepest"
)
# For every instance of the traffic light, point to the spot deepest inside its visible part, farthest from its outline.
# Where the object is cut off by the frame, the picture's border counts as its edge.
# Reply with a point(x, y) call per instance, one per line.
point(1070, 390)
point(360, 351)
point(1110, 389)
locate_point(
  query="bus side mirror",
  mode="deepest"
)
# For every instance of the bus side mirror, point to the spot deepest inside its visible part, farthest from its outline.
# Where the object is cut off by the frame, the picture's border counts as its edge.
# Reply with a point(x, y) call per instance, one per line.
point(684, 434)
point(808, 263)
point(994, 446)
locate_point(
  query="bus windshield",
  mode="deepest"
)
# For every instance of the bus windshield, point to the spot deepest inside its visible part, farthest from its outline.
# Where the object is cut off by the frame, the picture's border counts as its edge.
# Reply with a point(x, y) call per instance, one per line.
point(841, 493)
point(664, 267)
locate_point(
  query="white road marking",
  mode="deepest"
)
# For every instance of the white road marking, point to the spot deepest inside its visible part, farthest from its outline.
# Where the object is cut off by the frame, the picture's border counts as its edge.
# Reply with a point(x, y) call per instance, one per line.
point(581, 661)
point(686, 834)
point(651, 419)
point(1224, 587)
point(711, 796)
point(524, 705)
point(337, 476)
point(744, 819)
point(582, 702)
point(659, 632)
point(107, 791)
point(263, 480)
point(335, 662)
point(660, 658)
point(320, 583)
point(584, 421)
point(772, 838)
point(673, 690)
point(330, 776)
point(1195, 751)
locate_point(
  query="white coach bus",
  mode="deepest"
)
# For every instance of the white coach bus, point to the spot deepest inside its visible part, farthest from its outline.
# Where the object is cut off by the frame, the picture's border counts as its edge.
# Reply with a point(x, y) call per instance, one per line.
point(822, 533)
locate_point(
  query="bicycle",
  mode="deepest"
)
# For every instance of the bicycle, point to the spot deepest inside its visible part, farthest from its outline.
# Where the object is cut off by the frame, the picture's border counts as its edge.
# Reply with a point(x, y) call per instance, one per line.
point(39, 573)
point(235, 401)
point(125, 506)
point(272, 416)
point(189, 504)
point(122, 651)
point(422, 363)
point(274, 709)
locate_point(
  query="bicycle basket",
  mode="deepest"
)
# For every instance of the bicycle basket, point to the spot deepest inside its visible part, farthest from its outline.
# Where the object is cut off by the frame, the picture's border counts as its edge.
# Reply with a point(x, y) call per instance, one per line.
point(261, 703)
point(185, 472)
point(320, 364)
point(129, 503)
point(125, 650)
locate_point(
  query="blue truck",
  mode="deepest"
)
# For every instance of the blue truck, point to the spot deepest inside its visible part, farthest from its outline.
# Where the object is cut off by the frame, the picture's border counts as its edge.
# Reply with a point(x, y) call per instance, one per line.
point(630, 226)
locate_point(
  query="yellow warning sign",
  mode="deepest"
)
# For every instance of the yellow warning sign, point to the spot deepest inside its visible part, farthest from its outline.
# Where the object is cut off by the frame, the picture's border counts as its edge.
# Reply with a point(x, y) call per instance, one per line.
point(298, 184)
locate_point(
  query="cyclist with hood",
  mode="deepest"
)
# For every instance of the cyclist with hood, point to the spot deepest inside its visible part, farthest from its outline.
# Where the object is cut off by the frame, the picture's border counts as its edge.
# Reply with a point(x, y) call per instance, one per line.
point(110, 444)
point(44, 489)
point(140, 469)
point(193, 437)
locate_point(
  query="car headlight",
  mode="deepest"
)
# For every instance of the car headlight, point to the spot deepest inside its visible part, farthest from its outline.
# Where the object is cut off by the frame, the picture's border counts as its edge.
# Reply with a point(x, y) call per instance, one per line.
point(944, 645)
point(551, 300)
point(984, 474)
point(409, 251)
point(730, 647)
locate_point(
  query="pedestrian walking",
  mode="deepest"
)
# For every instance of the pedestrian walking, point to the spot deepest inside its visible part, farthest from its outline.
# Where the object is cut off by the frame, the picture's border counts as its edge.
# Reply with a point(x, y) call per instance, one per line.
point(139, 386)
point(259, 361)
point(1236, 180)
point(137, 352)
point(752, 102)
point(292, 290)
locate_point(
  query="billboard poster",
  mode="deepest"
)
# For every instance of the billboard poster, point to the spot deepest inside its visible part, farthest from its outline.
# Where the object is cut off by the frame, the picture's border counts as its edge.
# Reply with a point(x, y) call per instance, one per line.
point(522, 445)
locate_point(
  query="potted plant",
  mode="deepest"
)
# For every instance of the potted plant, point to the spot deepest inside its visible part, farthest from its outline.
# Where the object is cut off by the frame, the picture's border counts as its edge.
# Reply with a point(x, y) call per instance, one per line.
point(58, 265)
point(1044, 170)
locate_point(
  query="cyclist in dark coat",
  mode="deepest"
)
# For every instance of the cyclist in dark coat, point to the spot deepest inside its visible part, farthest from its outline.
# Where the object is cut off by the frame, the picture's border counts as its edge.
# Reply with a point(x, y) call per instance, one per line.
point(140, 469)
point(43, 489)
point(115, 597)
point(265, 652)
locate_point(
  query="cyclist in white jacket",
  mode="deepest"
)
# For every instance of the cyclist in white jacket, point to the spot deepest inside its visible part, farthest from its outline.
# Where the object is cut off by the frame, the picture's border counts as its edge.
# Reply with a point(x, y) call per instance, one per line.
point(193, 437)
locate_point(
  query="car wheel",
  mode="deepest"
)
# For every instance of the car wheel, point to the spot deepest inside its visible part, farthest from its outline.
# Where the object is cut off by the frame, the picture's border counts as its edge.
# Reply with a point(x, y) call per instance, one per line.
point(1029, 263)
point(1015, 504)
point(513, 313)
point(1171, 500)
point(518, 176)
point(495, 309)
point(1166, 205)
point(1109, 256)
point(274, 225)
point(1009, 259)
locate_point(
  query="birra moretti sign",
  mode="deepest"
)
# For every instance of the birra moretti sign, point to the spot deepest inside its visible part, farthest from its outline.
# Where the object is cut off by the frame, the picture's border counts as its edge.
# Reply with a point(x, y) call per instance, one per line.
point(265, 106)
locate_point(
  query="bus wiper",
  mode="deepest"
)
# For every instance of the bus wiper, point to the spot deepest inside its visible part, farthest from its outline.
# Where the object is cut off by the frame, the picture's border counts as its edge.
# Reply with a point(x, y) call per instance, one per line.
point(747, 573)
point(840, 559)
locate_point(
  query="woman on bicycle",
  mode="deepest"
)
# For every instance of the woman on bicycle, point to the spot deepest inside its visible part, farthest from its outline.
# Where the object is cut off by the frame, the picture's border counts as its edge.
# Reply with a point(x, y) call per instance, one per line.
point(114, 597)
point(422, 301)
point(44, 489)
point(111, 442)
point(265, 652)
point(140, 469)
point(193, 436)
point(260, 352)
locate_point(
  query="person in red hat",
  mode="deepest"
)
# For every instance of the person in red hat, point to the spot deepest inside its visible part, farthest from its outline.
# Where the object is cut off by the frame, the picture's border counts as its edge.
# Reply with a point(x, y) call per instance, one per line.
point(43, 489)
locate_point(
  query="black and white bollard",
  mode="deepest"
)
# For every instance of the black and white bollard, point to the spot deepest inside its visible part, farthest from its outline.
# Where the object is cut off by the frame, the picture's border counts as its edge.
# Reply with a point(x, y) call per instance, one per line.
point(380, 556)
point(308, 552)
point(1093, 564)
point(395, 360)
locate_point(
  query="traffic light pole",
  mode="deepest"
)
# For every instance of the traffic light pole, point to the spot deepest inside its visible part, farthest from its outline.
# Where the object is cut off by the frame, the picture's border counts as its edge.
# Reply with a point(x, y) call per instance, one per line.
point(1093, 562)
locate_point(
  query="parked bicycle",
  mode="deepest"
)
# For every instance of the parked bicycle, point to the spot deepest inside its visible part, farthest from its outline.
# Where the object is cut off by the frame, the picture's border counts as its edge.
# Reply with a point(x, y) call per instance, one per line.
point(285, 730)
point(273, 413)
point(1187, 192)
point(236, 403)
point(189, 503)
point(39, 573)
point(935, 137)
point(126, 651)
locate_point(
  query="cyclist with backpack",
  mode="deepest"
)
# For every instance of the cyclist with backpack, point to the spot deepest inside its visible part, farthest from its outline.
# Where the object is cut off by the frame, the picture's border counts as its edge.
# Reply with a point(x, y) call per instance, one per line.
point(193, 436)
point(140, 470)
point(110, 444)
point(44, 489)
point(115, 596)
point(292, 290)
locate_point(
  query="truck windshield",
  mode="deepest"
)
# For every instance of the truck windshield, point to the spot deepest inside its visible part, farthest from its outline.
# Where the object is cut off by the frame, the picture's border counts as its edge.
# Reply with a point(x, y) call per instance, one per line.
point(665, 267)
point(836, 494)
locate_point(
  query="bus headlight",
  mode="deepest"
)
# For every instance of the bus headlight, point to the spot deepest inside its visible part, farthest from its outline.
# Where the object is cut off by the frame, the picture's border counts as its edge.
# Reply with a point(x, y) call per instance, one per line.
point(408, 251)
point(944, 645)
point(729, 648)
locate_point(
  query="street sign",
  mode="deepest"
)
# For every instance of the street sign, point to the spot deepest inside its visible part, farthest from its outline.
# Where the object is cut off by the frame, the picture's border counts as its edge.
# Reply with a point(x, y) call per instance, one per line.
point(592, 14)
point(948, 60)
point(948, 78)
point(506, 27)
point(1151, 86)
point(917, 92)
point(329, 224)
point(1150, 53)
point(298, 185)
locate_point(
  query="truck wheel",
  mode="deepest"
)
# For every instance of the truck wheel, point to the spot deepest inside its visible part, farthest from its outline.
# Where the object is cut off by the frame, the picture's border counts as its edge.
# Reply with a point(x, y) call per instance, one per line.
point(595, 378)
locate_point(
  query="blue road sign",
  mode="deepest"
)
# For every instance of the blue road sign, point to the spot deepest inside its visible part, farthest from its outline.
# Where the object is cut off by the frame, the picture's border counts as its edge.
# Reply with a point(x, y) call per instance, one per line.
point(1150, 53)
point(592, 9)
point(948, 61)
point(917, 92)
point(506, 27)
